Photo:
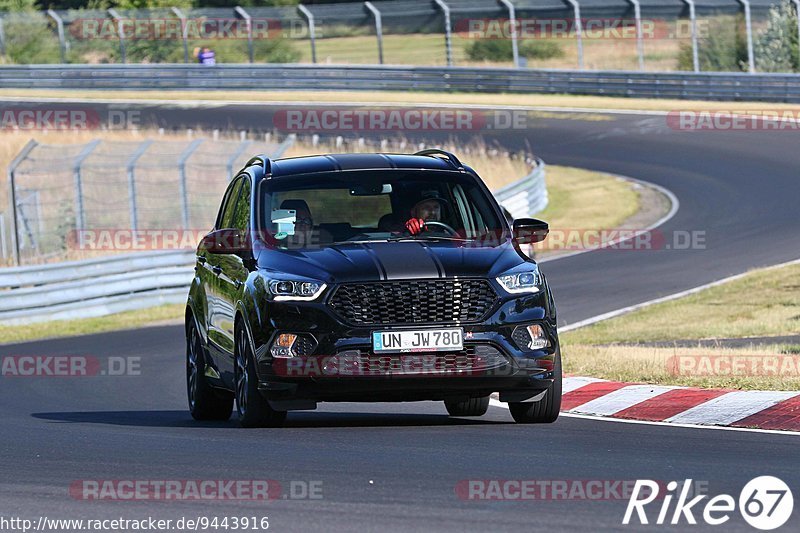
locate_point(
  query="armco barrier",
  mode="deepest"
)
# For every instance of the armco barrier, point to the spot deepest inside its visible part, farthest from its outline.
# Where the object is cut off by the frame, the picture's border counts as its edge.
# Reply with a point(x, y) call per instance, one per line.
point(101, 286)
point(679, 85)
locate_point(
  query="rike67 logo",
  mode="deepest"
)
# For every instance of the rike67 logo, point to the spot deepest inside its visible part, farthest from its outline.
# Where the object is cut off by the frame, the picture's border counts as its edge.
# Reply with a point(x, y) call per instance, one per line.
point(765, 503)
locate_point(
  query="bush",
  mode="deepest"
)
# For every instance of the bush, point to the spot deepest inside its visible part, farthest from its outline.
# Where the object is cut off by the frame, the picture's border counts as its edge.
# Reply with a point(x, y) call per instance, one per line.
point(29, 39)
point(723, 50)
point(775, 49)
point(501, 50)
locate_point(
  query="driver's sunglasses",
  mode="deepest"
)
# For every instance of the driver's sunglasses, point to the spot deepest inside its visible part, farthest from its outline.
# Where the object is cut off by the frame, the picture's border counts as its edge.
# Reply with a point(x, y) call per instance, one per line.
point(308, 221)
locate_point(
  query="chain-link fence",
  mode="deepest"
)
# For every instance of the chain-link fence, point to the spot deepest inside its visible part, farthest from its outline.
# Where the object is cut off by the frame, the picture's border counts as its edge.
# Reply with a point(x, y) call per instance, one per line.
point(60, 191)
point(656, 35)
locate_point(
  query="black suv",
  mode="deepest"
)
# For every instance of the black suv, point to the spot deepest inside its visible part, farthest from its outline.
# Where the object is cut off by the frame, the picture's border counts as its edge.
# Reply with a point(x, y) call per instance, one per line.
point(368, 277)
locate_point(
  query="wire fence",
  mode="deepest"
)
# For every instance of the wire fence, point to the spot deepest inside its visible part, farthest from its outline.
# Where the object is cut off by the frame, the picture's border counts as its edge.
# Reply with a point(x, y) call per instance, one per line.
point(59, 192)
point(655, 35)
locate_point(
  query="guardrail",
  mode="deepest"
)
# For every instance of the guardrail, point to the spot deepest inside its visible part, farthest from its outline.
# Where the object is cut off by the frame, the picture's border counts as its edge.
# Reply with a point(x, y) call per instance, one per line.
point(94, 287)
point(527, 195)
point(679, 85)
point(105, 285)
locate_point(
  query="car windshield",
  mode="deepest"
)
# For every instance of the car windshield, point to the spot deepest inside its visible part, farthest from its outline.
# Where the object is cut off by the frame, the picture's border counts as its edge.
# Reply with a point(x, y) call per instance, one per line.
point(353, 207)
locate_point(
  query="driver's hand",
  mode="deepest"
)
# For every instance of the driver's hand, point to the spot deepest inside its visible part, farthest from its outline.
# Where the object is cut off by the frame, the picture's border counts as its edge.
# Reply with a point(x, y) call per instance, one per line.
point(415, 226)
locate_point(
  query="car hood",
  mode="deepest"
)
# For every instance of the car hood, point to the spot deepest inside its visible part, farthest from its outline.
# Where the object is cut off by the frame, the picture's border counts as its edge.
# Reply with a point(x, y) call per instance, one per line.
point(386, 261)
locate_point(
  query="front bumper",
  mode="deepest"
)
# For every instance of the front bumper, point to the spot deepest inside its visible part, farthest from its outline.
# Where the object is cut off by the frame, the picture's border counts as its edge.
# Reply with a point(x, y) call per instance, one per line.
point(342, 367)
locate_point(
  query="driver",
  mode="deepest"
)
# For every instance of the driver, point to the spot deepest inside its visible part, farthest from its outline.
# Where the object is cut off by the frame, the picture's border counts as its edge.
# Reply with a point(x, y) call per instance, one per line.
point(427, 209)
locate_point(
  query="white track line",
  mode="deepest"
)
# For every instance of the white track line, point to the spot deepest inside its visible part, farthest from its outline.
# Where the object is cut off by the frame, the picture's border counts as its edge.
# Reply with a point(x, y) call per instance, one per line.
point(675, 296)
point(731, 407)
point(620, 399)
point(496, 403)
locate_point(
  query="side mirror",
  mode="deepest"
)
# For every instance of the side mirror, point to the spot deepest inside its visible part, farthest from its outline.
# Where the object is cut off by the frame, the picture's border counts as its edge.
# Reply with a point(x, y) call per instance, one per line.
point(530, 230)
point(225, 241)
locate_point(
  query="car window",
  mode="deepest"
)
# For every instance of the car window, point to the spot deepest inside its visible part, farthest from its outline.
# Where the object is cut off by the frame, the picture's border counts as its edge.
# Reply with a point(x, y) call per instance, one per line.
point(241, 215)
point(226, 216)
point(373, 206)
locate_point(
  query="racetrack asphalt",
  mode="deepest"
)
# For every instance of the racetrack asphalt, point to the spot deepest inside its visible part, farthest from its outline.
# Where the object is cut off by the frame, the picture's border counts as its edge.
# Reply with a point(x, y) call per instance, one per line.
point(396, 466)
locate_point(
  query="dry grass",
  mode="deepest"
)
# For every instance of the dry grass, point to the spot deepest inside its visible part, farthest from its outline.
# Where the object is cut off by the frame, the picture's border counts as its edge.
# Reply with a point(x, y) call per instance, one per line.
point(745, 368)
point(408, 98)
point(428, 50)
point(496, 167)
point(581, 199)
point(772, 308)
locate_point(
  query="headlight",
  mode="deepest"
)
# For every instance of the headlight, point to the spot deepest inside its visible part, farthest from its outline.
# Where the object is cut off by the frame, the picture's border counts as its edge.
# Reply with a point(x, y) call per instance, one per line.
point(284, 289)
point(529, 281)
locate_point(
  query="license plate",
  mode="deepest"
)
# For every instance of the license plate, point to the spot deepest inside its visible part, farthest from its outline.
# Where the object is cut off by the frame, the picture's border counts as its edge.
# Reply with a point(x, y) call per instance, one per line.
point(424, 340)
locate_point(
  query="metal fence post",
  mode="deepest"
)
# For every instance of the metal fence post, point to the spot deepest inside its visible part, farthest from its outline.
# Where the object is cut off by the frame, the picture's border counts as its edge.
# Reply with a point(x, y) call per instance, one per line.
point(116, 16)
point(576, 8)
point(131, 171)
point(637, 15)
point(60, 27)
point(80, 214)
point(748, 24)
point(2, 37)
point(797, 12)
point(249, 21)
point(693, 19)
point(236, 154)
point(512, 20)
point(182, 184)
point(184, 33)
point(12, 194)
point(447, 36)
point(312, 31)
point(379, 28)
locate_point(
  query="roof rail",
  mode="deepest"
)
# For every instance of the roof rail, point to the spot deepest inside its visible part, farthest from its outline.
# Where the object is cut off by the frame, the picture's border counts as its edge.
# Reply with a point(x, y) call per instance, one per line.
point(263, 161)
point(437, 152)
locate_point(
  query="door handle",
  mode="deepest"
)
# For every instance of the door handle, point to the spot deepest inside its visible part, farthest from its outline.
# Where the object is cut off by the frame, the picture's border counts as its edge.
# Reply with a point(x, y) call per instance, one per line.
point(216, 270)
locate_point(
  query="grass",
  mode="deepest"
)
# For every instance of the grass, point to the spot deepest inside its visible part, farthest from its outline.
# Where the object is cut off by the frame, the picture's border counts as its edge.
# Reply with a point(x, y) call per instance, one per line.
point(772, 308)
point(409, 98)
point(604, 349)
point(584, 200)
point(163, 314)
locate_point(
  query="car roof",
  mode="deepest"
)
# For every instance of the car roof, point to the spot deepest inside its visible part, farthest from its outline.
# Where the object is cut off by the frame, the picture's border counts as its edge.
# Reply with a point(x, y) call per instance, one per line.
point(344, 162)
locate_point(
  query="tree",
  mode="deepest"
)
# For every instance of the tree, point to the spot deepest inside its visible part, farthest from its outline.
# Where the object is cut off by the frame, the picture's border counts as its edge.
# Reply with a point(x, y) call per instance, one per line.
point(775, 48)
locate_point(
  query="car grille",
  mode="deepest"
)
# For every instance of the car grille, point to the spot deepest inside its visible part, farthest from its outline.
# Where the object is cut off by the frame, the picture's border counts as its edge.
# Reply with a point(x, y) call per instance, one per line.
point(413, 302)
point(473, 359)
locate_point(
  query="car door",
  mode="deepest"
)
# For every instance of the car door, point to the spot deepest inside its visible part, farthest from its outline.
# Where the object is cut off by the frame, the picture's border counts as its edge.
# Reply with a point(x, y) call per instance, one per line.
point(219, 346)
point(231, 280)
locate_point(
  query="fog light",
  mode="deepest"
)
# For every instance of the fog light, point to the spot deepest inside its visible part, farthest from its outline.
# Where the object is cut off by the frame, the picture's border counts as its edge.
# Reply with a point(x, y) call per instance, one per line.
point(530, 337)
point(282, 345)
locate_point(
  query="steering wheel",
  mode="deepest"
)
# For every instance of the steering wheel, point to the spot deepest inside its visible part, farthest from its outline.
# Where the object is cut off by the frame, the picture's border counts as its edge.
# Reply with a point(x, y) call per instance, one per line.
point(444, 226)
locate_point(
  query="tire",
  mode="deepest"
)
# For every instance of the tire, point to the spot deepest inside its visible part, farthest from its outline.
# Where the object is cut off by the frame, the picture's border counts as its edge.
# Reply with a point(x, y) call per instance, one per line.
point(205, 403)
point(546, 410)
point(253, 410)
point(471, 407)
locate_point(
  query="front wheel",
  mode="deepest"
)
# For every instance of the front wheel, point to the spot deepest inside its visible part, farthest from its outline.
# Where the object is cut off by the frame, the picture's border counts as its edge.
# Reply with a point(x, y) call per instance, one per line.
point(471, 407)
point(546, 410)
point(254, 411)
